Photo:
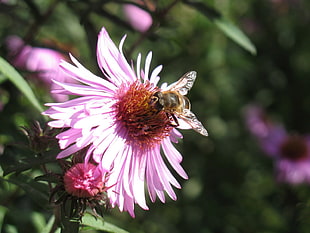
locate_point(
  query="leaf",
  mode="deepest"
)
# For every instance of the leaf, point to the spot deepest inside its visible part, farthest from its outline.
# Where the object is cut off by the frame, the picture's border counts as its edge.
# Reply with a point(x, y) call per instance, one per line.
point(2, 78)
point(9, 71)
point(38, 220)
point(49, 226)
point(18, 160)
point(230, 30)
point(3, 211)
point(10, 228)
point(99, 224)
point(49, 177)
point(38, 192)
point(1, 171)
point(31, 163)
point(233, 32)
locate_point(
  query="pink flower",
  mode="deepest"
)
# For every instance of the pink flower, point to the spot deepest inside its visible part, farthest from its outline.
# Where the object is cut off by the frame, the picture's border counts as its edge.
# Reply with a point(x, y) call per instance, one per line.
point(122, 131)
point(139, 19)
point(84, 180)
point(43, 62)
point(268, 133)
point(291, 152)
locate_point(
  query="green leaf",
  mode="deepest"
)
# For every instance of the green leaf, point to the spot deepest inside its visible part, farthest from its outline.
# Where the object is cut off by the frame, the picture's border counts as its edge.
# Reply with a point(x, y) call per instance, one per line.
point(10, 228)
point(233, 32)
point(19, 160)
point(3, 211)
point(49, 177)
point(50, 225)
point(38, 192)
point(99, 224)
point(9, 71)
point(2, 78)
point(230, 30)
point(38, 220)
point(1, 171)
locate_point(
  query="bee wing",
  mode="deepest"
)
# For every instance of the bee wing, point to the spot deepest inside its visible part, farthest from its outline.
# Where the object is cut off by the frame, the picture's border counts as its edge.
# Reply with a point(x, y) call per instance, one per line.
point(192, 120)
point(184, 84)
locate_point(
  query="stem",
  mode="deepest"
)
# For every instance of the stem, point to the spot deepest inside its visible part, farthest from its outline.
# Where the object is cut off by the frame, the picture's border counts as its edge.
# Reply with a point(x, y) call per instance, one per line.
point(43, 166)
point(159, 14)
point(40, 19)
point(56, 223)
point(169, 7)
point(68, 224)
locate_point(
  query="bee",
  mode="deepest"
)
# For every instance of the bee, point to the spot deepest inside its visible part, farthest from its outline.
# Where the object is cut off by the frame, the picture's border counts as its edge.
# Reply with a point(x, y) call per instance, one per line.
point(174, 103)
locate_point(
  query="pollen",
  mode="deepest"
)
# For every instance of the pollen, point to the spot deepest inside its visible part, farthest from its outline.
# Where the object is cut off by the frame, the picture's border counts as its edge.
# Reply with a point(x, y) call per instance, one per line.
point(144, 125)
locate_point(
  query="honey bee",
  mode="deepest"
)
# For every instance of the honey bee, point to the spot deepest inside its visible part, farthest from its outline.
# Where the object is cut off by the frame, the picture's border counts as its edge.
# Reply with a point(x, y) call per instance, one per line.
point(174, 103)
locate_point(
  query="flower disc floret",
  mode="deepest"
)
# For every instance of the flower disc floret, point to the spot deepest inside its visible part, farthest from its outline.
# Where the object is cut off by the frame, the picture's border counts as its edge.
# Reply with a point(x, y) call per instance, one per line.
point(144, 124)
point(294, 148)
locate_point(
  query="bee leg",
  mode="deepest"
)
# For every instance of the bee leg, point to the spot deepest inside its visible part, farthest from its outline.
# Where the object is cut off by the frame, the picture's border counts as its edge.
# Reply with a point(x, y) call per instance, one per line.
point(174, 121)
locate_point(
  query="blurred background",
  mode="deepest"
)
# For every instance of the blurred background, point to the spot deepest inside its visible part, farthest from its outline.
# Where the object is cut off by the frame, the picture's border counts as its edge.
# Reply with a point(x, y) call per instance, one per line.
point(232, 185)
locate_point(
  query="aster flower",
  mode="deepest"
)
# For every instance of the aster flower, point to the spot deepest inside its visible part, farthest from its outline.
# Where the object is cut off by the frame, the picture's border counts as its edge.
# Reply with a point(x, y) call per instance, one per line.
point(42, 62)
point(122, 131)
point(268, 133)
point(291, 152)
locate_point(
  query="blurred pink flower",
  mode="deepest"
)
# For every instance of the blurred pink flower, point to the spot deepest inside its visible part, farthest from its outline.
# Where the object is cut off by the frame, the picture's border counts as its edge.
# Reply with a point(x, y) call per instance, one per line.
point(122, 132)
point(291, 152)
point(84, 180)
point(43, 62)
point(138, 18)
point(267, 132)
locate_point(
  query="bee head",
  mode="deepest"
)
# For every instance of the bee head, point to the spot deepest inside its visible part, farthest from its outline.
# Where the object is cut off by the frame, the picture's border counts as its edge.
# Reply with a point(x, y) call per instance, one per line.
point(156, 101)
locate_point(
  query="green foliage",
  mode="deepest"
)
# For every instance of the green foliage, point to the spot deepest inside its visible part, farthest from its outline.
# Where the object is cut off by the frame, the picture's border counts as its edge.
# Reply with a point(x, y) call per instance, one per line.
point(232, 186)
point(236, 34)
point(232, 31)
point(36, 191)
point(9, 72)
point(100, 224)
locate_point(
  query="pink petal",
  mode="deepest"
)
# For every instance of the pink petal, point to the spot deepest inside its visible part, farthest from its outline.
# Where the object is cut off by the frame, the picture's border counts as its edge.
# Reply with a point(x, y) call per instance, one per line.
point(112, 62)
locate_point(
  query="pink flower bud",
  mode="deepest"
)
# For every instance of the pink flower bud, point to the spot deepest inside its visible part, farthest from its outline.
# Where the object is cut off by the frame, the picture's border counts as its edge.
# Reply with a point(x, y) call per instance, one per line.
point(139, 19)
point(84, 180)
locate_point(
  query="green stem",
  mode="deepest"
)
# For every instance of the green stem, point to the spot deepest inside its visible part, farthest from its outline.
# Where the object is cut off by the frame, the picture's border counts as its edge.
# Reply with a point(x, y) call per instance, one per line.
point(68, 224)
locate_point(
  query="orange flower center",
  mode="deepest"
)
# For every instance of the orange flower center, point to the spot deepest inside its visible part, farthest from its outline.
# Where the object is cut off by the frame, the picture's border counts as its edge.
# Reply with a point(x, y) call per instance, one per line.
point(145, 125)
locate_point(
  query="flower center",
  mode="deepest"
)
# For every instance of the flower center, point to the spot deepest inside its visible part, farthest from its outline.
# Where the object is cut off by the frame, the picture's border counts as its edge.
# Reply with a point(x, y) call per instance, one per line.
point(294, 148)
point(145, 125)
